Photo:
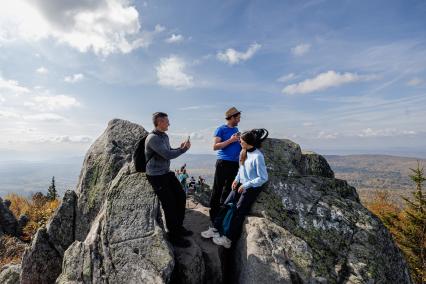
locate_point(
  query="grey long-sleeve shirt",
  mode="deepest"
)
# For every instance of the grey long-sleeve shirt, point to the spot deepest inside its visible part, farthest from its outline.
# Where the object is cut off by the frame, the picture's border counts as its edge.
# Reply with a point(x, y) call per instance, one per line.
point(157, 146)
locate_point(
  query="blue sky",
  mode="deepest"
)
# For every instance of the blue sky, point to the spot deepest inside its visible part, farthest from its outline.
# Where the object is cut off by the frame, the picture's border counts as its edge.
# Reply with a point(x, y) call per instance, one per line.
point(337, 77)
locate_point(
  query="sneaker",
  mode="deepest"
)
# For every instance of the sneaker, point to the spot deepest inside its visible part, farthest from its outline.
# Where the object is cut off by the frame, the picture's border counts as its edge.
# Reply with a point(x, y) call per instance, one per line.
point(179, 241)
point(222, 241)
point(184, 232)
point(210, 233)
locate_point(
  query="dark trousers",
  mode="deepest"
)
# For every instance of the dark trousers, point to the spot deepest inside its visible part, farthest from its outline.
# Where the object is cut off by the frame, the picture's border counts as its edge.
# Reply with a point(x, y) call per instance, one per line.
point(243, 202)
point(225, 173)
point(172, 198)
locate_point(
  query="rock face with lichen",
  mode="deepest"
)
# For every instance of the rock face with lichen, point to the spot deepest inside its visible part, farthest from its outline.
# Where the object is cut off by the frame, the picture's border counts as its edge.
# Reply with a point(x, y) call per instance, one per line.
point(309, 227)
point(306, 227)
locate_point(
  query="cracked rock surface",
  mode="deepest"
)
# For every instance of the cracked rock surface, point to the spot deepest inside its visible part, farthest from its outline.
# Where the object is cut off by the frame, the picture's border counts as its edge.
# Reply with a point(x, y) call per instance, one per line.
point(312, 228)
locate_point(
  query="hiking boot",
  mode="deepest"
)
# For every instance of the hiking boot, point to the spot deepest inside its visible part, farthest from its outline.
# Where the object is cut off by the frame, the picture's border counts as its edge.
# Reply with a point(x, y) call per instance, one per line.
point(222, 241)
point(210, 233)
point(179, 241)
point(184, 232)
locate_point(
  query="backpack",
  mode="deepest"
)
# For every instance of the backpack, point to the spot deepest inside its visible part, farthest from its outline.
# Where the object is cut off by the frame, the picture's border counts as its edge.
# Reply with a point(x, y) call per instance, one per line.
point(227, 220)
point(138, 157)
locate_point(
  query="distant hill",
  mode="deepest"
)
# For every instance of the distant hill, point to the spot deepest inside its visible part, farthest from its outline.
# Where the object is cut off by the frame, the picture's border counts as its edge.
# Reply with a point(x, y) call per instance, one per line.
point(365, 172)
point(26, 177)
point(374, 171)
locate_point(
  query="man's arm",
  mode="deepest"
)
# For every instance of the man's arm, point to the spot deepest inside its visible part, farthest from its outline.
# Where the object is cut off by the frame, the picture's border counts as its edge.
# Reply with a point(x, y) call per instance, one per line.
point(157, 145)
point(218, 144)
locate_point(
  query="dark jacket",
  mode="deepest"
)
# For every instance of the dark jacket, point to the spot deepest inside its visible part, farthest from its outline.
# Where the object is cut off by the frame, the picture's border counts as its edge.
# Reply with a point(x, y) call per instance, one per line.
point(159, 153)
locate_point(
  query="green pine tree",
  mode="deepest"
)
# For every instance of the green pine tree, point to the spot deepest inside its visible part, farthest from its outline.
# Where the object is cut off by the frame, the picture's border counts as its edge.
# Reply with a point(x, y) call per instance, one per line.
point(52, 194)
point(409, 228)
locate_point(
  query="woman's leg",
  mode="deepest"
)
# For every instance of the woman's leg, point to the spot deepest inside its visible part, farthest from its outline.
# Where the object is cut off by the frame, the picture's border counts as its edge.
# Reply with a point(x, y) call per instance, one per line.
point(244, 204)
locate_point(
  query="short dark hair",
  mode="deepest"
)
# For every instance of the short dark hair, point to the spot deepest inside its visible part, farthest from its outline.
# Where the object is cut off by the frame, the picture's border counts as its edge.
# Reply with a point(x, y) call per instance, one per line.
point(158, 115)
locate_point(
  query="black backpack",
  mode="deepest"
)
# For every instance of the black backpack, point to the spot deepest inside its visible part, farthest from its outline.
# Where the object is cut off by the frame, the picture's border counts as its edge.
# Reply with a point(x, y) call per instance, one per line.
point(139, 158)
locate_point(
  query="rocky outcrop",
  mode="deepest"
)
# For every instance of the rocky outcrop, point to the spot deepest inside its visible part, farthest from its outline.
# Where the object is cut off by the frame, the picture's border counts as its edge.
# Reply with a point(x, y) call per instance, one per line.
point(103, 161)
point(73, 219)
point(9, 274)
point(8, 222)
point(42, 262)
point(306, 227)
point(125, 243)
point(314, 226)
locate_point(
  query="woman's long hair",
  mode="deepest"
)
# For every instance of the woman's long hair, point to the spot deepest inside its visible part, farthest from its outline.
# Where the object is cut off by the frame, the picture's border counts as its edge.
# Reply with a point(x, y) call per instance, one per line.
point(253, 137)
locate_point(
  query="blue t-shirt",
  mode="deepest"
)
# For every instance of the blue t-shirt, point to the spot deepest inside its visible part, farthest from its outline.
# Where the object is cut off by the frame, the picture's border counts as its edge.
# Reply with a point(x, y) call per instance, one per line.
point(232, 151)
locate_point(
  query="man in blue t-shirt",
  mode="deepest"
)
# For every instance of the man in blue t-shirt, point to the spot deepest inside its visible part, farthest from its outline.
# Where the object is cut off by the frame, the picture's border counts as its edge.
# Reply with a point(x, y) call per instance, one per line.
point(226, 142)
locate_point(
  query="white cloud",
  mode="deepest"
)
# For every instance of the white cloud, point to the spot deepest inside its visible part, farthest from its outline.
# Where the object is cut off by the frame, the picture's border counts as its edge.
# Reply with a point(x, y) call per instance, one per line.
point(415, 82)
point(42, 70)
point(174, 38)
point(74, 78)
point(327, 135)
point(323, 81)
point(159, 28)
point(387, 132)
point(286, 78)
point(307, 124)
point(232, 56)
point(52, 103)
point(12, 86)
point(70, 139)
point(103, 26)
point(301, 49)
point(171, 73)
point(8, 114)
point(49, 117)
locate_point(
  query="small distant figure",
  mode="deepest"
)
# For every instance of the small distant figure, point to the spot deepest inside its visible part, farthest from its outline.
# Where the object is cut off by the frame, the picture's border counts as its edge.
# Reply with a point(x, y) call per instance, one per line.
point(201, 181)
point(191, 184)
point(182, 177)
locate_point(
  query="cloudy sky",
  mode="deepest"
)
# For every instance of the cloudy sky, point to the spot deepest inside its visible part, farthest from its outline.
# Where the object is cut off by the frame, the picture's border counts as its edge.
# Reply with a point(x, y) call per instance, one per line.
point(334, 76)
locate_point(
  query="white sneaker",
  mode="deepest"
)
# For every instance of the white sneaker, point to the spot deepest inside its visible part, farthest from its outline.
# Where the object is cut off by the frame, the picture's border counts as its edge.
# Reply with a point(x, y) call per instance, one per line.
point(210, 233)
point(222, 241)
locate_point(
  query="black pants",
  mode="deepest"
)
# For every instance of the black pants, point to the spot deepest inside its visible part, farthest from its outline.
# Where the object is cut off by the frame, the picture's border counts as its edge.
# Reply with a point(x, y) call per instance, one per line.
point(172, 198)
point(243, 202)
point(225, 173)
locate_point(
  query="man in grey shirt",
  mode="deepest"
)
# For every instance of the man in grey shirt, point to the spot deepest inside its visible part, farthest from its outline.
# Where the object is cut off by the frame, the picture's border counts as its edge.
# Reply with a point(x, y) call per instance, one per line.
point(158, 153)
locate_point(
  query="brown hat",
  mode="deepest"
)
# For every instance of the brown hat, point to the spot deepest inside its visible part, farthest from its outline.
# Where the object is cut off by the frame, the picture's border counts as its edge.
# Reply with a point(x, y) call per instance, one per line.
point(230, 112)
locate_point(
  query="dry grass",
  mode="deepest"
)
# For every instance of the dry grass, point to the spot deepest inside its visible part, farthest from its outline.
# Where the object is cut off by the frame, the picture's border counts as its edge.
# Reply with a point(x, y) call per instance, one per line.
point(38, 209)
point(11, 250)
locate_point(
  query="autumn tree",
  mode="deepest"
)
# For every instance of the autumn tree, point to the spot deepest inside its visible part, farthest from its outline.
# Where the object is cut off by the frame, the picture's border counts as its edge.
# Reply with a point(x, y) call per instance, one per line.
point(409, 227)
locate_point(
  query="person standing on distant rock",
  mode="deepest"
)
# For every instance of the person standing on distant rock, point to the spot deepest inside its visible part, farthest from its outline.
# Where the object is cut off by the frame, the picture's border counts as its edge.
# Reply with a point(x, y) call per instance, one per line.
point(158, 153)
point(252, 174)
point(226, 138)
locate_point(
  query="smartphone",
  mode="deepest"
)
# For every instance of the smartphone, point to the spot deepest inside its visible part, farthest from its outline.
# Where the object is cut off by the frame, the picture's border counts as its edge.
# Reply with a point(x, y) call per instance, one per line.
point(187, 139)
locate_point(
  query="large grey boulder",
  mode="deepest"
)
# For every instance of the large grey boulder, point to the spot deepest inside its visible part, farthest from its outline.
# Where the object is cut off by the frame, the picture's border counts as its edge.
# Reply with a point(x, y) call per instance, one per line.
point(125, 243)
point(73, 219)
point(8, 222)
point(267, 253)
point(42, 261)
point(315, 227)
point(102, 163)
point(9, 274)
